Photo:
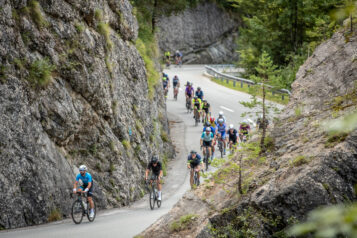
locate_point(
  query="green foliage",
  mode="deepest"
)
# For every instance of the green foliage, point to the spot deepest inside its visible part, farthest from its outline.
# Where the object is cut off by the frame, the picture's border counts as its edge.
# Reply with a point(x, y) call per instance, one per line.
point(40, 72)
point(93, 149)
point(111, 168)
point(164, 164)
point(335, 138)
point(299, 160)
point(126, 144)
point(329, 222)
point(98, 15)
point(164, 136)
point(79, 27)
point(183, 223)
point(109, 65)
point(36, 14)
point(55, 215)
point(104, 29)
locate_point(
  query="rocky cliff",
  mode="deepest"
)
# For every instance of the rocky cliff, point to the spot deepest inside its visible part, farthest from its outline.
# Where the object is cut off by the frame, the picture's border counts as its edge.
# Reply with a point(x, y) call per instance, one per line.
point(73, 90)
point(204, 34)
point(305, 167)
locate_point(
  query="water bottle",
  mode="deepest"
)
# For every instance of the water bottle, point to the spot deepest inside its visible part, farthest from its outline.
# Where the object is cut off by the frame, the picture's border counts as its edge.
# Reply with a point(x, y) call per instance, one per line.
point(84, 205)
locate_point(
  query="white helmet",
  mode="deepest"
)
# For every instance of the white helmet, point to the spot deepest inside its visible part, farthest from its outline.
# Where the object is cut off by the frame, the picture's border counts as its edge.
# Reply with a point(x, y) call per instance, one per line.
point(82, 168)
point(245, 121)
point(231, 126)
point(220, 121)
point(220, 113)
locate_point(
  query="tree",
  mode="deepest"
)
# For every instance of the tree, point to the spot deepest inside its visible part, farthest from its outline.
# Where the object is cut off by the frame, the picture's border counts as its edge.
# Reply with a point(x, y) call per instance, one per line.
point(267, 76)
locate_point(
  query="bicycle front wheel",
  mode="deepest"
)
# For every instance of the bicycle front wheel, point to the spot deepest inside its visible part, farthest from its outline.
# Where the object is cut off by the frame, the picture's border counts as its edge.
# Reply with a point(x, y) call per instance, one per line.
point(77, 212)
point(95, 211)
point(159, 202)
point(152, 199)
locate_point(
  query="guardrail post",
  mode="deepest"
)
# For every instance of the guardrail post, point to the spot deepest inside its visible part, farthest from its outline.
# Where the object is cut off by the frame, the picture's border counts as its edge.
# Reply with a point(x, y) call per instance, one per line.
point(273, 92)
point(222, 80)
point(227, 81)
point(234, 83)
point(248, 85)
point(282, 97)
point(241, 84)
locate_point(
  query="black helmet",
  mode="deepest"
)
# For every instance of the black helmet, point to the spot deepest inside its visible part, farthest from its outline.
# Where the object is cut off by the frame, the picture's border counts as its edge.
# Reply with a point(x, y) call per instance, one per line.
point(193, 152)
point(207, 124)
point(204, 100)
point(198, 88)
point(154, 159)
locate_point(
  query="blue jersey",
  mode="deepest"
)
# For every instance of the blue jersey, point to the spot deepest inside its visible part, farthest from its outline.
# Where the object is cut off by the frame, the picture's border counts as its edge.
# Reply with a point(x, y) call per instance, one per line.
point(87, 178)
point(213, 130)
point(199, 94)
point(221, 128)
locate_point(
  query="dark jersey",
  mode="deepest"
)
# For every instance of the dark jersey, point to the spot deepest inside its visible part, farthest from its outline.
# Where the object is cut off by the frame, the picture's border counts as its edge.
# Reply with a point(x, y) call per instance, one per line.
point(194, 161)
point(206, 107)
point(233, 136)
point(199, 94)
point(155, 169)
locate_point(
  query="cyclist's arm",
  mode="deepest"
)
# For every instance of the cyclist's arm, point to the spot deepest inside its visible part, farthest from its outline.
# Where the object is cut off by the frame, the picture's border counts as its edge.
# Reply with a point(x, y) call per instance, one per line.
point(75, 185)
point(147, 173)
point(89, 186)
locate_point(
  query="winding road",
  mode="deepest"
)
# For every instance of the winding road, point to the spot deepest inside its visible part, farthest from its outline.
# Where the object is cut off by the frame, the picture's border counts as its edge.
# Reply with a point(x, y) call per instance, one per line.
point(129, 221)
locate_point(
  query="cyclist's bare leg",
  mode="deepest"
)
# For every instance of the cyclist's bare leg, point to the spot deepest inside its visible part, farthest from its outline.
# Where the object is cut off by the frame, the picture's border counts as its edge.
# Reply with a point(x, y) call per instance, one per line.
point(159, 186)
point(191, 178)
point(91, 204)
point(198, 172)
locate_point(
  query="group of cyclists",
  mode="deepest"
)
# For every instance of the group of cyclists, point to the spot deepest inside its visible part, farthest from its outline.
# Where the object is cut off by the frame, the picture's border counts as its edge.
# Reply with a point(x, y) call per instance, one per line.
point(177, 57)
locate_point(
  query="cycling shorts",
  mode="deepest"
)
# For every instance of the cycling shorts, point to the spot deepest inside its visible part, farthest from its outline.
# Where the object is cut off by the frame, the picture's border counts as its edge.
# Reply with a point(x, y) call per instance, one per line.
point(207, 143)
point(90, 191)
point(175, 85)
point(223, 134)
point(233, 139)
point(194, 165)
point(197, 106)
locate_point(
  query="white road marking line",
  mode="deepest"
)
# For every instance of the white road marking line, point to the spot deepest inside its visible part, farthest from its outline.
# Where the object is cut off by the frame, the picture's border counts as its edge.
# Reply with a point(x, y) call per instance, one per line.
point(225, 108)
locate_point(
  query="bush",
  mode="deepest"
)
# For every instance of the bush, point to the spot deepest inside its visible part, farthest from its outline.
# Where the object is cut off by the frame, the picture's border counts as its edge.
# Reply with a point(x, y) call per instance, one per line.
point(299, 160)
point(36, 14)
point(104, 29)
point(183, 223)
point(164, 136)
point(126, 144)
point(40, 72)
point(79, 27)
point(55, 215)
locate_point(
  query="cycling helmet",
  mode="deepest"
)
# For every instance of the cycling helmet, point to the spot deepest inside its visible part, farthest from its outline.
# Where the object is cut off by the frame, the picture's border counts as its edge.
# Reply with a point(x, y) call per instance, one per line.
point(245, 121)
point(198, 88)
point(204, 100)
point(193, 152)
point(231, 126)
point(212, 119)
point(220, 113)
point(177, 51)
point(195, 97)
point(82, 168)
point(207, 124)
point(220, 121)
point(154, 159)
point(208, 129)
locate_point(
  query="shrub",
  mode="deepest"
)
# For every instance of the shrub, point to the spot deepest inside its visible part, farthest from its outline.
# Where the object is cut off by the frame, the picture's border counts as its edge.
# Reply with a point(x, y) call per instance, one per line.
point(126, 144)
point(335, 138)
point(164, 136)
point(55, 215)
point(79, 27)
point(40, 72)
point(183, 223)
point(104, 29)
point(36, 14)
point(299, 160)
point(98, 15)
point(109, 65)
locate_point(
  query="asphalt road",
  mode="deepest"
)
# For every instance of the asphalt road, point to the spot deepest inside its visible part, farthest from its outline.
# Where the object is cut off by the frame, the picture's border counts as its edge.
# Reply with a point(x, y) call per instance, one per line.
point(129, 221)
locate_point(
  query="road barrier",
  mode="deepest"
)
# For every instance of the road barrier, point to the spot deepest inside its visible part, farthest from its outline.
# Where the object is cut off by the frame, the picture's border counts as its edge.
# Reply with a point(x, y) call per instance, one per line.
point(212, 70)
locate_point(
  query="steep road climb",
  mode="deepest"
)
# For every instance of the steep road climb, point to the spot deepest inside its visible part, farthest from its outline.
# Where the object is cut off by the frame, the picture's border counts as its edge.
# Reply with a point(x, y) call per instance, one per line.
point(129, 221)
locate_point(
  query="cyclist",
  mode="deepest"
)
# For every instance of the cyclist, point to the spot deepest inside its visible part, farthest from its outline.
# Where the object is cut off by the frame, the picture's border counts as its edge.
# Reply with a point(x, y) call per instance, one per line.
point(221, 128)
point(206, 110)
point(232, 136)
point(166, 85)
point(189, 91)
point(175, 84)
point(156, 168)
point(199, 93)
point(167, 56)
point(213, 122)
point(207, 138)
point(244, 129)
point(214, 130)
point(221, 116)
point(197, 105)
point(85, 182)
point(193, 162)
point(178, 57)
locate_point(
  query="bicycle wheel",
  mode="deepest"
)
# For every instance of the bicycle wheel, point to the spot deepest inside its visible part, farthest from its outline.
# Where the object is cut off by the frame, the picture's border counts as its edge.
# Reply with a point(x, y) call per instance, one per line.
point(152, 198)
point(159, 201)
point(196, 180)
point(77, 212)
point(206, 158)
point(95, 211)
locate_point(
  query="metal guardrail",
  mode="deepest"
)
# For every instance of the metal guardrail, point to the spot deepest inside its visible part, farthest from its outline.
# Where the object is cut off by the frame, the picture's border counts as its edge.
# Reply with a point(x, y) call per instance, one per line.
point(211, 70)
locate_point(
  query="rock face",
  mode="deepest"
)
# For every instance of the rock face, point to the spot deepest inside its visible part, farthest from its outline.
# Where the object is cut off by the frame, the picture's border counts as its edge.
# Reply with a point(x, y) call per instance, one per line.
point(305, 167)
point(204, 34)
point(73, 90)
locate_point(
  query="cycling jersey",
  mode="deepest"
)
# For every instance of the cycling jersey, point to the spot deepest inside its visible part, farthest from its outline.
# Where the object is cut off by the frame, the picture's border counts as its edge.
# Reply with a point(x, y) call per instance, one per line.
point(199, 94)
point(164, 83)
point(167, 54)
point(194, 161)
point(233, 135)
point(197, 104)
point(206, 107)
point(175, 81)
point(244, 128)
point(189, 91)
point(87, 178)
point(206, 137)
point(222, 129)
point(155, 169)
point(213, 130)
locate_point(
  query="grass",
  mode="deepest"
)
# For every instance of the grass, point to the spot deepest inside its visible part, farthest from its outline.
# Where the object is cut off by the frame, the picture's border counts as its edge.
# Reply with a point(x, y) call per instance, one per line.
point(55, 215)
point(183, 223)
point(164, 136)
point(104, 30)
point(269, 96)
point(299, 160)
point(109, 65)
point(335, 138)
point(126, 144)
point(40, 72)
point(98, 15)
point(36, 14)
point(79, 27)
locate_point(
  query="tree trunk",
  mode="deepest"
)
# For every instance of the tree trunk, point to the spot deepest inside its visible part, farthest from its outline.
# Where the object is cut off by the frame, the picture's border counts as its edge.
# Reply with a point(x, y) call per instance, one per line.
point(351, 18)
point(262, 145)
point(240, 190)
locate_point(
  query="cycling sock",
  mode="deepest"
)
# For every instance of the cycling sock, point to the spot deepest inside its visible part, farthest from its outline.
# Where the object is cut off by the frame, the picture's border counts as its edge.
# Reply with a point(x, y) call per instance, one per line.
point(91, 210)
point(159, 193)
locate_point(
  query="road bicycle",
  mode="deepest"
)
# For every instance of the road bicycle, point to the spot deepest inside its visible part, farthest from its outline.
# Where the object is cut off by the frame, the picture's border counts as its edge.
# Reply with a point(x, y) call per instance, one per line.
point(196, 116)
point(188, 105)
point(80, 208)
point(220, 145)
point(196, 181)
point(175, 92)
point(153, 192)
